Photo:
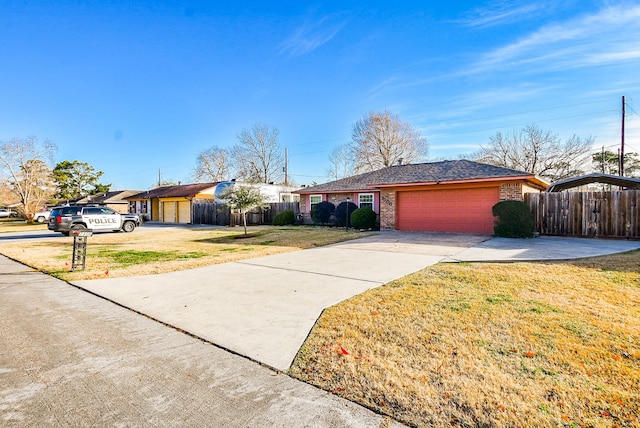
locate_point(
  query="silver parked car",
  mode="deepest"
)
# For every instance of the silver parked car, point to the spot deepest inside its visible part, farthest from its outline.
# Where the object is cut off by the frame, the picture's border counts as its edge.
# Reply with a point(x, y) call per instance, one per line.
point(6, 213)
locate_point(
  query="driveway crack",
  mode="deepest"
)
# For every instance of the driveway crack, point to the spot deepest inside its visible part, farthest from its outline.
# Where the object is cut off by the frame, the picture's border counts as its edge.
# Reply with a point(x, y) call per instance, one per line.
point(310, 273)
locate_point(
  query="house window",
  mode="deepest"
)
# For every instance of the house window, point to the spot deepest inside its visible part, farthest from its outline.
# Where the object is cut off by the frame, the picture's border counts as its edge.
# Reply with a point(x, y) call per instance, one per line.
point(314, 200)
point(365, 200)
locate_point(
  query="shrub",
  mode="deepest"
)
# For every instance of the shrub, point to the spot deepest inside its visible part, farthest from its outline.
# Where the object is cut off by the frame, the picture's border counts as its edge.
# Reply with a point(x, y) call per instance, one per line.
point(363, 218)
point(341, 212)
point(515, 220)
point(320, 213)
point(284, 218)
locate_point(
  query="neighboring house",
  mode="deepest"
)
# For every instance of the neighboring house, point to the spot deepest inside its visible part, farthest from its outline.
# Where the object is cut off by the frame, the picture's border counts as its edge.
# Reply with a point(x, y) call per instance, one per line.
point(174, 204)
point(272, 193)
point(115, 200)
point(170, 204)
point(447, 196)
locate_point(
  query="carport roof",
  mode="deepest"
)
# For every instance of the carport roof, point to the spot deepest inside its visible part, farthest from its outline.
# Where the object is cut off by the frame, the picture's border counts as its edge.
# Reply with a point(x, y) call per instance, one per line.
point(596, 177)
point(431, 172)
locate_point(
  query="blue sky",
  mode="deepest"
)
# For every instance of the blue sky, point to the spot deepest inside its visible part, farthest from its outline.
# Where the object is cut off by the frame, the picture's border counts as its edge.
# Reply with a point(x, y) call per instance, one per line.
point(136, 86)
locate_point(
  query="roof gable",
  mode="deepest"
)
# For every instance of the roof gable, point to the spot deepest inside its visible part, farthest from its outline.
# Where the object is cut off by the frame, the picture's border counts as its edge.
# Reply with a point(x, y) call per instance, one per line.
point(431, 172)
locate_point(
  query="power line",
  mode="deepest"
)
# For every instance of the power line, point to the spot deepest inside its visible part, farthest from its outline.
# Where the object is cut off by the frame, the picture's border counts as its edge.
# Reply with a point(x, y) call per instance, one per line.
point(530, 111)
point(309, 153)
point(437, 136)
point(316, 142)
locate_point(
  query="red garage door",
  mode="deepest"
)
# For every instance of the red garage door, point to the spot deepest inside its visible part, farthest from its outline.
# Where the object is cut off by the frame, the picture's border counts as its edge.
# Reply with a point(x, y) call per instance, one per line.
point(455, 210)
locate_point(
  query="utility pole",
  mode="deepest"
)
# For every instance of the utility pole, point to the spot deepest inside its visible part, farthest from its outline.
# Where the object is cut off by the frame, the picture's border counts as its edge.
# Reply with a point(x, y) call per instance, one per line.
point(159, 181)
point(621, 169)
point(286, 166)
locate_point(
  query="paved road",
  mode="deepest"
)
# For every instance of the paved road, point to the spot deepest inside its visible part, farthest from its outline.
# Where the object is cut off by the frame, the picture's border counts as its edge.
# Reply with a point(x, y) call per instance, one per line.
point(69, 358)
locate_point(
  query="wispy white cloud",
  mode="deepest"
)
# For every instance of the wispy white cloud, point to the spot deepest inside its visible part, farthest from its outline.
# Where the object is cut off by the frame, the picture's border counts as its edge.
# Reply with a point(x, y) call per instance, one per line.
point(501, 13)
point(470, 109)
point(606, 37)
point(311, 35)
point(378, 89)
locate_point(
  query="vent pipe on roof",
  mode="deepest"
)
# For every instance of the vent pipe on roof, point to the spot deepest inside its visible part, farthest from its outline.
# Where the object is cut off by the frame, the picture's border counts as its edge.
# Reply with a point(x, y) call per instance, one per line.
point(399, 161)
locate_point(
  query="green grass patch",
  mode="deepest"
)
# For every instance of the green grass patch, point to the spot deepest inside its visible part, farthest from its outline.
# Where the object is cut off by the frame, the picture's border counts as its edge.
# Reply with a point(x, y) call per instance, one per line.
point(133, 257)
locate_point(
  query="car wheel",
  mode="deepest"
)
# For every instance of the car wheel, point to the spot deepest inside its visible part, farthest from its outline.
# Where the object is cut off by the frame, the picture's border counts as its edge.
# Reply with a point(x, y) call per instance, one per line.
point(128, 226)
point(78, 226)
point(40, 219)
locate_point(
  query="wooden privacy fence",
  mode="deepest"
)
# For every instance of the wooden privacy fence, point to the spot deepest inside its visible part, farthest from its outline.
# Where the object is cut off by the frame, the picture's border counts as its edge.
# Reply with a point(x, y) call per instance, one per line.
point(210, 213)
point(221, 215)
point(586, 214)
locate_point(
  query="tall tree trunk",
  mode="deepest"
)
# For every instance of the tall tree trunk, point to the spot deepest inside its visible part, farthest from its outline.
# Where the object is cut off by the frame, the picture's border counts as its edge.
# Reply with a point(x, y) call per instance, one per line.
point(244, 221)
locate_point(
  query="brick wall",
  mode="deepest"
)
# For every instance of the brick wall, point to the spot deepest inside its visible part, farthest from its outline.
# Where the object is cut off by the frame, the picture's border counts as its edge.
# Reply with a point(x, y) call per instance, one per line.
point(303, 203)
point(387, 209)
point(337, 198)
point(511, 192)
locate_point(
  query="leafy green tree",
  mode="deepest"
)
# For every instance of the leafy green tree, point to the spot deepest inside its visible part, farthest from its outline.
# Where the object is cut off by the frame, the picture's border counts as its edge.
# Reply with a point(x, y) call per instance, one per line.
point(77, 179)
point(607, 162)
point(244, 199)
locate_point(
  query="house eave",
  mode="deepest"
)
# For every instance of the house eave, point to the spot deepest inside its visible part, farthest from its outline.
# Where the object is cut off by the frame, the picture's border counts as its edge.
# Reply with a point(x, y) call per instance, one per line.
point(531, 179)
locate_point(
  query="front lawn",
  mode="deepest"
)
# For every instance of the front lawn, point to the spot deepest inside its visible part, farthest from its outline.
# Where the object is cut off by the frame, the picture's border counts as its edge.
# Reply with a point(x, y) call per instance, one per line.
point(157, 250)
point(506, 345)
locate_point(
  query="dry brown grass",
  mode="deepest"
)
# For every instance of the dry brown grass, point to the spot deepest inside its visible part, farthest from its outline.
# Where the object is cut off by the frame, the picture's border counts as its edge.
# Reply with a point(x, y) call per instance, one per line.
point(505, 345)
point(159, 250)
point(21, 226)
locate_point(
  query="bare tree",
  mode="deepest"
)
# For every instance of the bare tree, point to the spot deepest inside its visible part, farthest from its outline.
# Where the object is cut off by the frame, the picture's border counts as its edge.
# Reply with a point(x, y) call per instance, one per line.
point(539, 152)
point(381, 139)
point(212, 165)
point(24, 167)
point(342, 164)
point(258, 157)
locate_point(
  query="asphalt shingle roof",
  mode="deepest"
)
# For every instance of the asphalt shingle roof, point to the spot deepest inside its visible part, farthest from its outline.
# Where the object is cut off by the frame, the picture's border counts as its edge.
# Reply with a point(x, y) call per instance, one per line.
point(184, 190)
point(453, 170)
point(108, 197)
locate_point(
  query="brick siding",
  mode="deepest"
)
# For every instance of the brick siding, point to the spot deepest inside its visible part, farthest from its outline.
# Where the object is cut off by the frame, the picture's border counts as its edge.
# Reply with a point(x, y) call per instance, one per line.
point(511, 192)
point(387, 209)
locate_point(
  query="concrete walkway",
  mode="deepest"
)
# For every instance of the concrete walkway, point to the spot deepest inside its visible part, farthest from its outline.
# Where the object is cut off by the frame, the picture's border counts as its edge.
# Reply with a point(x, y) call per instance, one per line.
point(542, 248)
point(264, 308)
point(69, 359)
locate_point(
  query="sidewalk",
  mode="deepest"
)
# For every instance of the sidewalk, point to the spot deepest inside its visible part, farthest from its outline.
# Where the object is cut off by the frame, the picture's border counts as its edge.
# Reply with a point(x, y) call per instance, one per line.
point(68, 358)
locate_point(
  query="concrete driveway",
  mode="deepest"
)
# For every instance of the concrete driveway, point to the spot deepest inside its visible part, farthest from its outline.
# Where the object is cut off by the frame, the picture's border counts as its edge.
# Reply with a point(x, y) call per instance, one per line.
point(264, 308)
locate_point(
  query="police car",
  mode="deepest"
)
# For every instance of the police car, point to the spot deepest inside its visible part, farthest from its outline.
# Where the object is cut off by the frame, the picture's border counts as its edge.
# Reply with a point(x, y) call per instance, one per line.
point(96, 218)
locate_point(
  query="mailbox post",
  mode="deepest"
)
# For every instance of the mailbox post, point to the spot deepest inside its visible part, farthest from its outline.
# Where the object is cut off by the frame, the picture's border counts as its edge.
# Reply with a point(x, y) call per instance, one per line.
point(80, 248)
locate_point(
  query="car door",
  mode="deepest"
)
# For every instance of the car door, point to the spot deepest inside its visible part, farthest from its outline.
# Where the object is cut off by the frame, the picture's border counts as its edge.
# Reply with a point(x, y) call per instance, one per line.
point(101, 218)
